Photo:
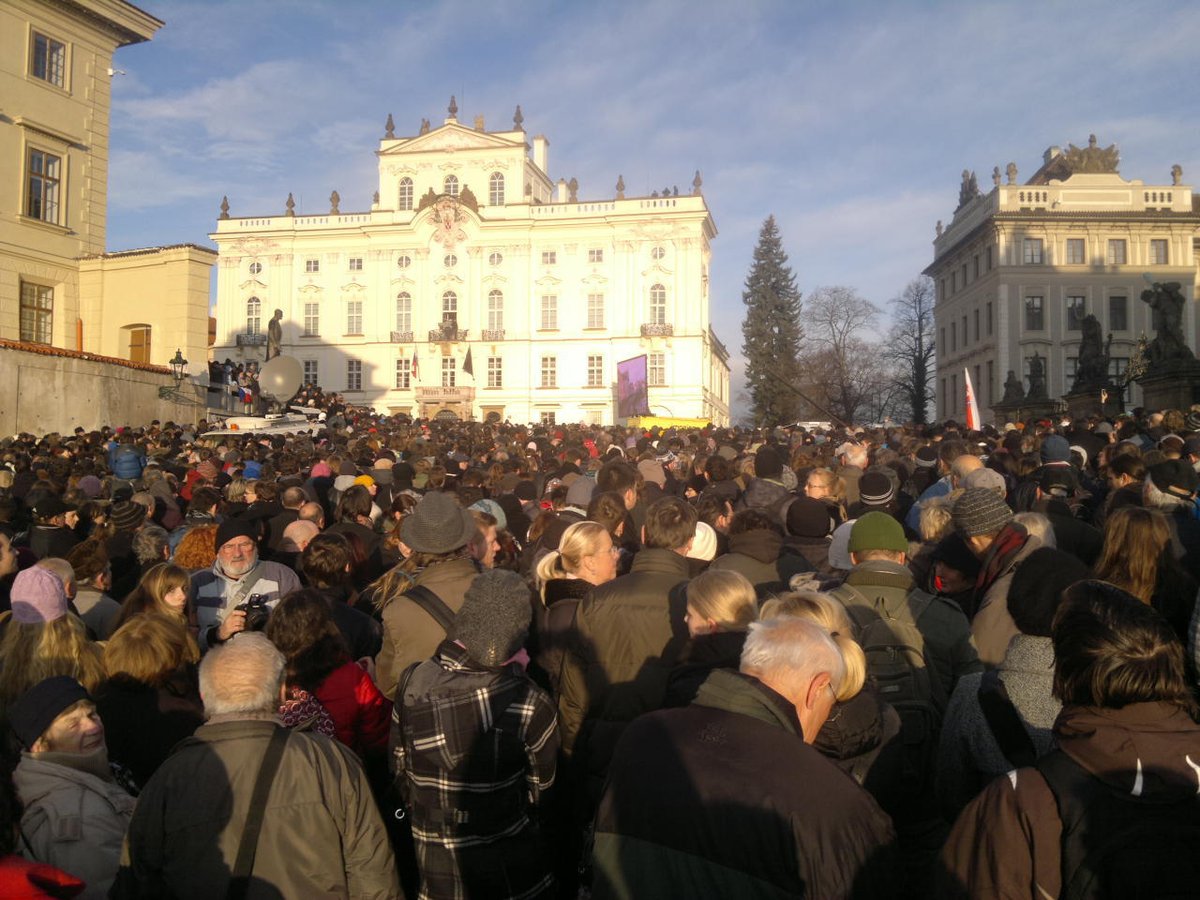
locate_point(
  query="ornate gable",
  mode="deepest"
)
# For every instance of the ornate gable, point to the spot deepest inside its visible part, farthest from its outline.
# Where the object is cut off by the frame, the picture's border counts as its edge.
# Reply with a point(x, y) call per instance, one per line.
point(451, 139)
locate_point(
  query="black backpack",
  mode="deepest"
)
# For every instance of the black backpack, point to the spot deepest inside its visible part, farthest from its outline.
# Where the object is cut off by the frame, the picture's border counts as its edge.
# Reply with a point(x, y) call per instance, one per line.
point(1115, 845)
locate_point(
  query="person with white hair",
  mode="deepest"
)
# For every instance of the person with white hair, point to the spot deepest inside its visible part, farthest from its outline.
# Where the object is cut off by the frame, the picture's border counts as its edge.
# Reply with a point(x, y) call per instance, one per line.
point(701, 800)
point(246, 803)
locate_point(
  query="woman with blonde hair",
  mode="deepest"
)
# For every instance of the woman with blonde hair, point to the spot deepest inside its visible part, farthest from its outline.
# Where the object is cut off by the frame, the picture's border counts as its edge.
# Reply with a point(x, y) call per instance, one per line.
point(151, 699)
point(165, 589)
point(721, 604)
point(585, 557)
point(41, 640)
point(1138, 557)
point(861, 735)
point(825, 485)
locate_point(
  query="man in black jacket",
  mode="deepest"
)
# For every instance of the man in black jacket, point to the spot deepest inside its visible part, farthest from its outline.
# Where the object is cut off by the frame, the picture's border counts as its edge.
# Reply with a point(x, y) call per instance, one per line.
point(726, 798)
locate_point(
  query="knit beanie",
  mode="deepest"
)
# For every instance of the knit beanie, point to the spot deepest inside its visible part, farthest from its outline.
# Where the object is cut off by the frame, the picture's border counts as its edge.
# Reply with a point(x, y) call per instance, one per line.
point(1037, 588)
point(980, 511)
point(875, 489)
point(1055, 449)
point(37, 596)
point(91, 486)
point(807, 517)
point(927, 457)
point(235, 528)
point(767, 463)
point(494, 619)
point(321, 470)
point(32, 714)
point(953, 552)
point(127, 515)
point(877, 531)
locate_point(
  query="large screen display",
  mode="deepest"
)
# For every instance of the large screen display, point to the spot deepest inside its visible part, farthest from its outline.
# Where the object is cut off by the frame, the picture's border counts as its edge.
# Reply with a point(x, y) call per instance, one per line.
point(631, 388)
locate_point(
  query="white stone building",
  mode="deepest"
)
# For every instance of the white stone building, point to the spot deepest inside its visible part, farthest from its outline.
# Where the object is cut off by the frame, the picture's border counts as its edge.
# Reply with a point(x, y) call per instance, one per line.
point(1019, 268)
point(470, 251)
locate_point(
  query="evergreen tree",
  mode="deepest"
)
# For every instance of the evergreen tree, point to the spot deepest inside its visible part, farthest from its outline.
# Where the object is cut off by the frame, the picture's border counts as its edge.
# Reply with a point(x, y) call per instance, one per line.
point(771, 331)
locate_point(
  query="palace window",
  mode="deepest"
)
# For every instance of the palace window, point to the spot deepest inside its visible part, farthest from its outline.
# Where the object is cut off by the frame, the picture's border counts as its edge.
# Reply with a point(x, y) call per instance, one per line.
point(595, 371)
point(37, 312)
point(354, 375)
point(1075, 251)
point(253, 316)
point(1076, 310)
point(546, 418)
point(404, 312)
point(1118, 313)
point(495, 259)
point(450, 309)
point(403, 261)
point(549, 371)
point(403, 374)
point(449, 260)
point(495, 314)
point(658, 305)
point(1116, 252)
point(549, 320)
point(658, 253)
point(310, 372)
point(496, 189)
point(255, 268)
point(1033, 251)
point(1158, 252)
point(595, 311)
point(48, 60)
point(43, 181)
point(495, 372)
point(596, 255)
point(449, 371)
point(990, 322)
point(312, 266)
point(354, 316)
point(355, 263)
point(549, 257)
point(312, 319)
point(1035, 319)
point(404, 199)
point(656, 369)
point(450, 185)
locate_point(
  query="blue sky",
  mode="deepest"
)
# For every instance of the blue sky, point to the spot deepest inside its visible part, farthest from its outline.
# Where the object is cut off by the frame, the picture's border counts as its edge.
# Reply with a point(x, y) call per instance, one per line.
point(851, 122)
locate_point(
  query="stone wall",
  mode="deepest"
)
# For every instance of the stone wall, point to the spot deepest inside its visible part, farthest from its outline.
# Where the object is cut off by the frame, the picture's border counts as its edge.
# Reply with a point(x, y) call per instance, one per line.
point(48, 389)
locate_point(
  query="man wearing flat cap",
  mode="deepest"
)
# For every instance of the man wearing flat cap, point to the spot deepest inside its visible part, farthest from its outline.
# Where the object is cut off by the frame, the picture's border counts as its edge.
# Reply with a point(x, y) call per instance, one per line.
point(75, 814)
point(438, 532)
point(235, 576)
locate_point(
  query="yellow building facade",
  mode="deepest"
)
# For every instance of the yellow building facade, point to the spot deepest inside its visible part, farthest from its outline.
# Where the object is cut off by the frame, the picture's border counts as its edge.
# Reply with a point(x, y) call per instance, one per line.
point(1019, 267)
point(58, 286)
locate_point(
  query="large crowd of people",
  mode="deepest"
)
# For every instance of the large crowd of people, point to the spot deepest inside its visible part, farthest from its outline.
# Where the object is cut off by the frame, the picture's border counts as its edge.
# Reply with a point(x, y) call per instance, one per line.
point(482, 660)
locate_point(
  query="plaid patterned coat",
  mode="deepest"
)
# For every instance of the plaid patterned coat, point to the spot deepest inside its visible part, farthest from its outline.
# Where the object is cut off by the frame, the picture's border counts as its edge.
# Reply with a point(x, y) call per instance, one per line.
point(477, 748)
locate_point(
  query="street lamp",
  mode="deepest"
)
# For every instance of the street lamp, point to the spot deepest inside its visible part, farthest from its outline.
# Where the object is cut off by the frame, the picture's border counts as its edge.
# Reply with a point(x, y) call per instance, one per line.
point(178, 366)
point(178, 374)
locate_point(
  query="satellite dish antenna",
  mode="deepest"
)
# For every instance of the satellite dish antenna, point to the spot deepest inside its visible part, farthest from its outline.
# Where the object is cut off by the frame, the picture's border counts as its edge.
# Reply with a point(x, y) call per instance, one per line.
point(280, 378)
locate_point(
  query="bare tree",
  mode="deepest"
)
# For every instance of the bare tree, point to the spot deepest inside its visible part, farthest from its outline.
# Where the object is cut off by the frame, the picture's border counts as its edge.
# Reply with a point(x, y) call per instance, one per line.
point(844, 369)
point(910, 345)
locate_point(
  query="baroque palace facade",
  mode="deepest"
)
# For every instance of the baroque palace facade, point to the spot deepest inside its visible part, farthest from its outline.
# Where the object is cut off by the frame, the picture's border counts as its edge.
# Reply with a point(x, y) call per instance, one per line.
point(1020, 267)
point(476, 286)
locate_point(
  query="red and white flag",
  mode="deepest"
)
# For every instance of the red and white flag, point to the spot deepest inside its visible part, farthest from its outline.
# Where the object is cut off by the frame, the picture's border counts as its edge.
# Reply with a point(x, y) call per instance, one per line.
point(416, 374)
point(973, 423)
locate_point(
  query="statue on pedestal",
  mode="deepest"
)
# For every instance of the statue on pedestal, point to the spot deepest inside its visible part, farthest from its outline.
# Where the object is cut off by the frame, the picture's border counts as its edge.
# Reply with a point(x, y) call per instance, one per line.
point(1166, 302)
point(1037, 379)
point(1014, 391)
point(1091, 373)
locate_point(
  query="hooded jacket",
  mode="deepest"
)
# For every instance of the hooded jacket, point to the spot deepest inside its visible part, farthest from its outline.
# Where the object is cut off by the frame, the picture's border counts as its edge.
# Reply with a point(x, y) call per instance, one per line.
point(1007, 842)
point(74, 820)
point(762, 557)
point(725, 799)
